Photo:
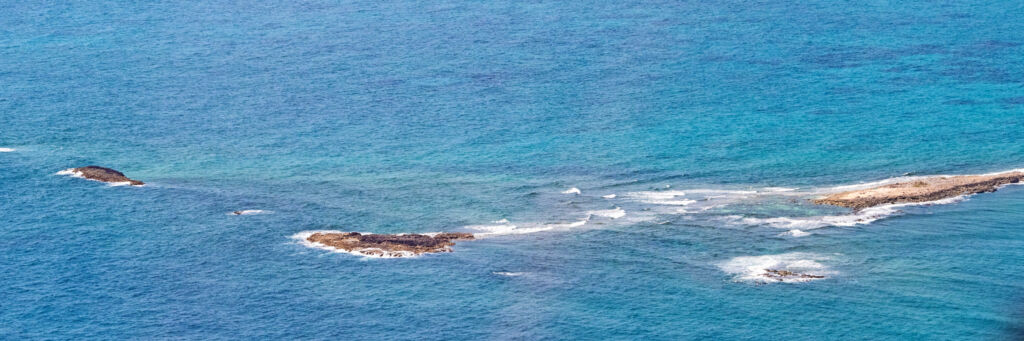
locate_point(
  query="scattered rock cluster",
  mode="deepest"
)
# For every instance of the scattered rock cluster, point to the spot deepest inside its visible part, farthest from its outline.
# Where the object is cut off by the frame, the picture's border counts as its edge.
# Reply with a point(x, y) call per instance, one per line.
point(389, 245)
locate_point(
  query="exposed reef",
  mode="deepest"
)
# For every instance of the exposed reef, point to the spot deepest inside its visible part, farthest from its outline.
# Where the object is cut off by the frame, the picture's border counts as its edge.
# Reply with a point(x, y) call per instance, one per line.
point(389, 245)
point(921, 190)
point(104, 174)
point(784, 275)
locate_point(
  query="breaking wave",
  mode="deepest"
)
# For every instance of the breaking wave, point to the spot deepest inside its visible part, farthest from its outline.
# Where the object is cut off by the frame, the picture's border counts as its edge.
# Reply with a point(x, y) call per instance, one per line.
point(505, 227)
point(614, 213)
point(796, 233)
point(756, 268)
point(674, 198)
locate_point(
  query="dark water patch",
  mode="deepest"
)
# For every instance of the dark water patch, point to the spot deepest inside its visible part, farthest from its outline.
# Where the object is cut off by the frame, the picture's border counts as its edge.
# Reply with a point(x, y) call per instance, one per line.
point(922, 49)
point(853, 57)
point(961, 102)
point(994, 44)
point(975, 71)
point(1013, 100)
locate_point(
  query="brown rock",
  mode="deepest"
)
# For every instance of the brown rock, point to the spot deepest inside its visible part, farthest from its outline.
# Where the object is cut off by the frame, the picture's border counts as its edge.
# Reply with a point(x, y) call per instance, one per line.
point(105, 175)
point(389, 245)
point(781, 275)
point(923, 190)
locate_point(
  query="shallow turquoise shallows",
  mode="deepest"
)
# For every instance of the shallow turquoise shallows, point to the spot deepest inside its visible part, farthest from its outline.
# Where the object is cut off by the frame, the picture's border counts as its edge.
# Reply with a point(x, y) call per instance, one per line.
point(693, 134)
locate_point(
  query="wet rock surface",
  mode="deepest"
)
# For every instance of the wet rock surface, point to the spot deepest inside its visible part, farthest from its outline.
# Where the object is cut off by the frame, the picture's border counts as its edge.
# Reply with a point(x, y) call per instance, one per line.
point(783, 275)
point(389, 245)
point(921, 190)
point(105, 175)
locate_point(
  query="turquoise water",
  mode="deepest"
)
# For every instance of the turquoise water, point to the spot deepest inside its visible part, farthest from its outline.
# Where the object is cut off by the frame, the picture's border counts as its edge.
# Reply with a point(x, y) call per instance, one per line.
point(458, 116)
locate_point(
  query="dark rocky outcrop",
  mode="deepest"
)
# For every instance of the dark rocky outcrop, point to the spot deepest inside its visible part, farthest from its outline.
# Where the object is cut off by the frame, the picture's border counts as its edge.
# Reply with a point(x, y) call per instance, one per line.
point(782, 275)
point(922, 190)
point(389, 245)
point(105, 175)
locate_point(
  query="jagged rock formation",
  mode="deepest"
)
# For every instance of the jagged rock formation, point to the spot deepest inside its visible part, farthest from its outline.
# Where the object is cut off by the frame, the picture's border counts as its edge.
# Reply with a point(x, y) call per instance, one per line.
point(389, 245)
point(783, 275)
point(922, 190)
point(105, 175)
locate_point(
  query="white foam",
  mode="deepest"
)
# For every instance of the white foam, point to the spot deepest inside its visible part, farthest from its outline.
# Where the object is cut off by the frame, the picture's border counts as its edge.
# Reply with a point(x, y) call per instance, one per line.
point(865, 216)
point(778, 189)
point(796, 233)
point(720, 191)
point(71, 172)
point(6, 150)
point(578, 223)
point(508, 274)
point(248, 212)
point(1003, 172)
point(500, 228)
point(508, 228)
point(614, 213)
point(609, 196)
point(754, 268)
point(301, 237)
point(670, 198)
point(573, 190)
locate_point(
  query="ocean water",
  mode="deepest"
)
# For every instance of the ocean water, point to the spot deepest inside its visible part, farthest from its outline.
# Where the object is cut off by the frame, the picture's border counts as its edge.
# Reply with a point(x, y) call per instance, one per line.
point(710, 123)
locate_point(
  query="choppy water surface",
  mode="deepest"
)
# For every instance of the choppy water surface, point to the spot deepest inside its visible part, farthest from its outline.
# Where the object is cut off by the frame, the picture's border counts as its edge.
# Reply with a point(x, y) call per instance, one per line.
point(630, 170)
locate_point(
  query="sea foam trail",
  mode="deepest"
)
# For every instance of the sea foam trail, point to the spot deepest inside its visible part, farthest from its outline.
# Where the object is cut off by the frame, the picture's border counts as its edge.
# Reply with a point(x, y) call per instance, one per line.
point(897, 179)
point(508, 273)
point(614, 213)
point(756, 268)
point(504, 227)
point(248, 212)
point(699, 201)
point(674, 198)
point(862, 217)
point(573, 190)
point(7, 150)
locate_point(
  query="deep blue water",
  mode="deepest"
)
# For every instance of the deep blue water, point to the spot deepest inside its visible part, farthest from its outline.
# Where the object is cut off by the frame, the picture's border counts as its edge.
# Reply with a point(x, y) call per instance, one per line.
point(390, 117)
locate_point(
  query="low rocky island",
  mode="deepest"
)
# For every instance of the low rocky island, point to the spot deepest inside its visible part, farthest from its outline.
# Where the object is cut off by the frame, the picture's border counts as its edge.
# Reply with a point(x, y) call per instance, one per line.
point(102, 174)
point(389, 245)
point(921, 190)
point(785, 275)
